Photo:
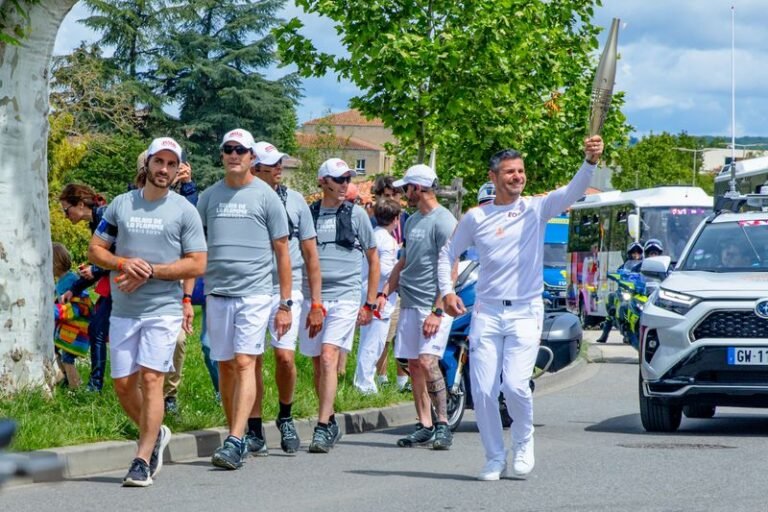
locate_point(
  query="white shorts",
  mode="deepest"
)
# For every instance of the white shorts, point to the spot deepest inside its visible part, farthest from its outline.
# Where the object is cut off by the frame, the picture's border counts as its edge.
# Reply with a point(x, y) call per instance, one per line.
point(338, 327)
point(237, 325)
point(410, 341)
point(288, 340)
point(147, 342)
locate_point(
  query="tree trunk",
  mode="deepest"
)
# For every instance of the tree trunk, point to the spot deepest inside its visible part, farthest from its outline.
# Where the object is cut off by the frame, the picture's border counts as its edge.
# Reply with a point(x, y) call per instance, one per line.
point(26, 277)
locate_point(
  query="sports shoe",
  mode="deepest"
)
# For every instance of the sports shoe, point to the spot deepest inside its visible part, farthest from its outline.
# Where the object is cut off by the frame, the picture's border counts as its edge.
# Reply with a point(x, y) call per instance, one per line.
point(322, 440)
point(443, 437)
point(406, 388)
point(420, 436)
point(289, 438)
point(156, 460)
point(256, 446)
point(138, 474)
point(523, 460)
point(335, 433)
point(230, 455)
point(493, 470)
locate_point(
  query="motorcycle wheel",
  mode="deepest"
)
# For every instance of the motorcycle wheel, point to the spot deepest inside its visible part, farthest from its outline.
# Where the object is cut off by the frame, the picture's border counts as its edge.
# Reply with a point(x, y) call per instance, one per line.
point(456, 405)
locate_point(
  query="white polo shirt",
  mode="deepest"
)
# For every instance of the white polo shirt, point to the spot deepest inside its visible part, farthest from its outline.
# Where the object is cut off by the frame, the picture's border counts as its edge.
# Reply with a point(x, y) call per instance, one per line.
point(510, 242)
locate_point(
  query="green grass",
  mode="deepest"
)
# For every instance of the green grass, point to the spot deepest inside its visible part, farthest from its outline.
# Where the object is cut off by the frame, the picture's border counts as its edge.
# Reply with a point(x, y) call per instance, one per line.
point(73, 417)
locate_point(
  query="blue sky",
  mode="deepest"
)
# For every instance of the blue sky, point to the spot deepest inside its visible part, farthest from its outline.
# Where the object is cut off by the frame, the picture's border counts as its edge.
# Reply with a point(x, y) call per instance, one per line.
point(675, 64)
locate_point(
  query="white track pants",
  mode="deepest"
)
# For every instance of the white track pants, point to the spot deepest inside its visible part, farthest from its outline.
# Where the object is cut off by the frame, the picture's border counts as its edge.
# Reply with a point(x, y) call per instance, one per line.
point(373, 338)
point(503, 342)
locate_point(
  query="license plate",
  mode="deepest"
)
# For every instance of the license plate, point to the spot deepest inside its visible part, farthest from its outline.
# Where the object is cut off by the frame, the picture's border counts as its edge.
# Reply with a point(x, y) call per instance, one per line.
point(747, 356)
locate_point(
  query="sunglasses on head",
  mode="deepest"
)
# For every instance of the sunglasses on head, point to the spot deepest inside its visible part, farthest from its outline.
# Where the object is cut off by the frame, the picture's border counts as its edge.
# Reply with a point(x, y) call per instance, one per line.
point(341, 179)
point(240, 150)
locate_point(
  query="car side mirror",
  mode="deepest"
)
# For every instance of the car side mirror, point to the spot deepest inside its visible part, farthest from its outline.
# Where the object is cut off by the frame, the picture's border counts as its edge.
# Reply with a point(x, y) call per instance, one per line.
point(633, 225)
point(656, 267)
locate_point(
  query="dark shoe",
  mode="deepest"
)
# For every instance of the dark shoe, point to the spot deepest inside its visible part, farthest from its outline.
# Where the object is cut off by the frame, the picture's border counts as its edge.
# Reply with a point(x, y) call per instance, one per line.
point(230, 455)
point(420, 436)
point(443, 437)
point(335, 432)
point(156, 461)
point(256, 446)
point(322, 440)
point(171, 406)
point(289, 438)
point(138, 474)
point(601, 339)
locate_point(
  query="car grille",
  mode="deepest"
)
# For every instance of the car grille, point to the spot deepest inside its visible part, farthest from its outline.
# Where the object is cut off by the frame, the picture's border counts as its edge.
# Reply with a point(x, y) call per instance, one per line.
point(731, 324)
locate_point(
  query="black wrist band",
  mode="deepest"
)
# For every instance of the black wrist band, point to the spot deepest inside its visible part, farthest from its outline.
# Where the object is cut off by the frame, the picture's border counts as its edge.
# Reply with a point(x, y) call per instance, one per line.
point(187, 296)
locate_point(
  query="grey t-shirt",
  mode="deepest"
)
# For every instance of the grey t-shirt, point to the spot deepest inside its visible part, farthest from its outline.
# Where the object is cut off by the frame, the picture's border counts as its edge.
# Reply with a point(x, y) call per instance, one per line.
point(241, 224)
point(303, 229)
point(158, 232)
point(340, 266)
point(425, 235)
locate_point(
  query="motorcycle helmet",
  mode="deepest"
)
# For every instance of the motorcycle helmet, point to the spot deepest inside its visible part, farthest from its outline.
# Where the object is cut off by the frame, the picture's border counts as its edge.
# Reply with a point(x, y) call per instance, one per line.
point(653, 247)
point(486, 194)
point(634, 247)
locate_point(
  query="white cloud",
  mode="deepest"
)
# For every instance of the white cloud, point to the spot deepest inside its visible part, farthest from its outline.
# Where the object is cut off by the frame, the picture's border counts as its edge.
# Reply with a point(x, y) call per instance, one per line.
point(674, 68)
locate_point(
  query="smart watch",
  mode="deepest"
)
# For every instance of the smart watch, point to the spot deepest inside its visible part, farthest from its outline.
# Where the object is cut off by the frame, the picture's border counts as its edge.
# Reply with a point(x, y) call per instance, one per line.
point(438, 312)
point(285, 304)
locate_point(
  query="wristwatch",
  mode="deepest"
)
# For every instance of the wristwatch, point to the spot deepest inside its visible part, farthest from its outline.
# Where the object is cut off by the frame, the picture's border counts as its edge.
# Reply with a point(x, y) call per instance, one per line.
point(369, 307)
point(438, 312)
point(285, 304)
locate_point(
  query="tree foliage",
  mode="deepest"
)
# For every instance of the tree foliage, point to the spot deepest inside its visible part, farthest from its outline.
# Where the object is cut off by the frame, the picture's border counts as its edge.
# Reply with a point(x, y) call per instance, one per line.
point(468, 78)
point(212, 63)
point(95, 92)
point(654, 161)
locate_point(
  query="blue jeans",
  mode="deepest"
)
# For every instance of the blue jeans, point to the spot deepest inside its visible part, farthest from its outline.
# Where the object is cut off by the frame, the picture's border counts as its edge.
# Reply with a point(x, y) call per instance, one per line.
point(213, 368)
point(98, 331)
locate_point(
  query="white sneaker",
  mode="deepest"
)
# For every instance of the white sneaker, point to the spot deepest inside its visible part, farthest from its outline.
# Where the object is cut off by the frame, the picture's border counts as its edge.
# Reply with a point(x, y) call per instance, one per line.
point(493, 470)
point(523, 460)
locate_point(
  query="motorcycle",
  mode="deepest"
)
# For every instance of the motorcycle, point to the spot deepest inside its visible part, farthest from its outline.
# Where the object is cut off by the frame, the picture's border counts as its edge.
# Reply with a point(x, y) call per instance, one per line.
point(455, 361)
point(41, 468)
point(628, 303)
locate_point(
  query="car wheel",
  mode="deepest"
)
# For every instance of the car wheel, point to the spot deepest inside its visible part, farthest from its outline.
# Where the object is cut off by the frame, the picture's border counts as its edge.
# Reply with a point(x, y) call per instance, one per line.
point(656, 415)
point(699, 411)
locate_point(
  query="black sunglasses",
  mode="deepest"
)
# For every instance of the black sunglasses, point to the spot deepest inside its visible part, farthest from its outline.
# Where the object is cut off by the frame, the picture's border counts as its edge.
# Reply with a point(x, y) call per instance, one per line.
point(66, 210)
point(341, 179)
point(240, 150)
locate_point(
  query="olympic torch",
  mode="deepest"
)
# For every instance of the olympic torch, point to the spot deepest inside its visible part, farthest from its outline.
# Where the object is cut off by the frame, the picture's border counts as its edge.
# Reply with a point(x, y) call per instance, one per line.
point(602, 87)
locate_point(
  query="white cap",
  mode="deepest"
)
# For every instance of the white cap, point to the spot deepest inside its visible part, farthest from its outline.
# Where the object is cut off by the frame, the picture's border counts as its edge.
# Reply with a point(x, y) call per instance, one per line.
point(242, 137)
point(335, 167)
point(267, 153)
point(419, 174)
point(162, 143)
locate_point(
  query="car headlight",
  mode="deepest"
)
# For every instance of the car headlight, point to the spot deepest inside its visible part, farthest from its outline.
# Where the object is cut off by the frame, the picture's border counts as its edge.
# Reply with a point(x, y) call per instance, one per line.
point(676, 302)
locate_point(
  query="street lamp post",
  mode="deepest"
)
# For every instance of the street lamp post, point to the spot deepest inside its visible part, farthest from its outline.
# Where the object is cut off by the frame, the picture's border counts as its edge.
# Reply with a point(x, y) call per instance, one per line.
point(695, 152)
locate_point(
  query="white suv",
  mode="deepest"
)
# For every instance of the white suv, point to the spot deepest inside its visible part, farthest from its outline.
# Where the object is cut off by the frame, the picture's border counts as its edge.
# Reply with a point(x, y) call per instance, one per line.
point(704, 332)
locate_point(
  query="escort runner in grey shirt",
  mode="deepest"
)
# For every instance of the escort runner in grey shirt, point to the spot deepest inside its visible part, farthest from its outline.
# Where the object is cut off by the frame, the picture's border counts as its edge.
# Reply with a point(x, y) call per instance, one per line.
point(155, 232)
point(303, 229)
point(241, 224)
point(340, 266)
point(425, 235)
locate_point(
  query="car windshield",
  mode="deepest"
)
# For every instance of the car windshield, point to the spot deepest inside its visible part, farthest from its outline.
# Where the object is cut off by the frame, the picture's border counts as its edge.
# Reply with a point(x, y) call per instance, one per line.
point(740, 246)
point(671, 226)
point(555, 255)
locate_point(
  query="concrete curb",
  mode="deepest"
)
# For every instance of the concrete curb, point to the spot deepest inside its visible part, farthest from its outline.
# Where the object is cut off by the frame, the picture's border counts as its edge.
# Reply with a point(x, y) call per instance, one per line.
point(89, 459)
point(94, 458)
